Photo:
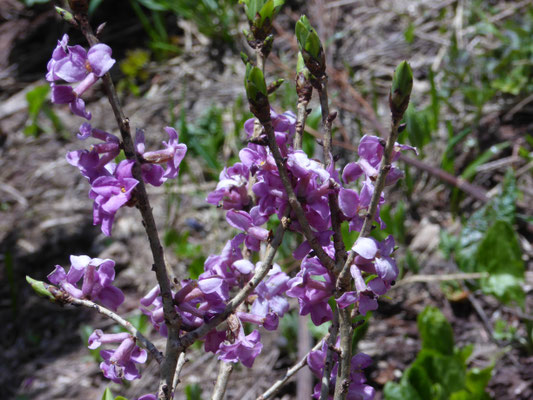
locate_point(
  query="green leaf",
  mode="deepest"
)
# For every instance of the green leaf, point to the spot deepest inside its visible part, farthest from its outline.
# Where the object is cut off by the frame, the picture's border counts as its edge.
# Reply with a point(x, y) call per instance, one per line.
point(409, 33)
point(108, 395)
point(267, 11)
point(445, 371)
point(302, 31)
point(435, 331)
point(500, 255)
point(120, 398)
point(418, 378)
point(193, 391)
point(478, 379)
point(464, 353)
point(36, 99)
point(400, 391)
point(254, 82)
point(418, 127)
point(471, 170)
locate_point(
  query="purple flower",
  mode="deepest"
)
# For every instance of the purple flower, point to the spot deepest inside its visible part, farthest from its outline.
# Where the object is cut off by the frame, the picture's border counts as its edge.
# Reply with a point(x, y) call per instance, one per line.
point(73, 64)
point(98, 276)
point(172, 154)
point(270, 293)
point(232, 188)
point(110, 193)
point(98, 337)
point(120, 363)
point(245, 348)
point(313, 286)
point(269, 321)
point(151, 173)
point(371, 152)
point(96, 162)
point(354, 206)
point(284, 127)
point(243, 221)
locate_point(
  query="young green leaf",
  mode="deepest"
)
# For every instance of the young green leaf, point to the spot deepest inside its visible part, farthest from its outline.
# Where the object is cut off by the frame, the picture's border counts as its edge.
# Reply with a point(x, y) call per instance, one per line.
point(435, 331)
point(108, 395)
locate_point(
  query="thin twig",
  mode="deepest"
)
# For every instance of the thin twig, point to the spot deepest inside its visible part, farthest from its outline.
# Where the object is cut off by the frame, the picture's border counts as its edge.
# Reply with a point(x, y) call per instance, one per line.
point(224, 372)
point(333, 199)
point(182, 360)
point(304, 379)
point(328, 364)
point(171, 318)
point(121, 321)
point(288, 375)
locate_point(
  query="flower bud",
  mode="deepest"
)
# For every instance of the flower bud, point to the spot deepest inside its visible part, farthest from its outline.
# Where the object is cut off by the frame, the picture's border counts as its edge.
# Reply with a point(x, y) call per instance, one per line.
point(67, 16)
point(40, 288)
point(260, 15)
point(310, 47)
point(256, 92)
point(402, 84)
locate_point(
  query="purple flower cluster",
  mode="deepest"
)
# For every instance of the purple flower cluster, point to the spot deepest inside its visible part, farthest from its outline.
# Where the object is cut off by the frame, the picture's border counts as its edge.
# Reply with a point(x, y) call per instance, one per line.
point(97, 276)
point(252, 192)
point(112, 184)
point(120, 363)
point(200, 300)
point(358, 389)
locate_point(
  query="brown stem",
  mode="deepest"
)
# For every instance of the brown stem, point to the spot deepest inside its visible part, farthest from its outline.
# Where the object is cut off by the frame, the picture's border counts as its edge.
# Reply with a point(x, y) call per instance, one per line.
point(301, 116)
point(328, 364)
point(293, 200)
point(333, 200)
point(171, 318)
point(343, 373)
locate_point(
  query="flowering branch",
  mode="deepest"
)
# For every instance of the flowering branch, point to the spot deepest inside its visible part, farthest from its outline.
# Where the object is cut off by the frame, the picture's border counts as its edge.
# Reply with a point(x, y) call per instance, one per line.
point(327, 120)
point(402, 84)
point(63, 297)
point(171, 318)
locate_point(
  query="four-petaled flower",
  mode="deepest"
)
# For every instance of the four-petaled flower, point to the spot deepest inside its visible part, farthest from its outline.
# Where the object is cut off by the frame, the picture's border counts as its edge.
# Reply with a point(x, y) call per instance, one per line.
point(98, 276)
point(73, 64)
